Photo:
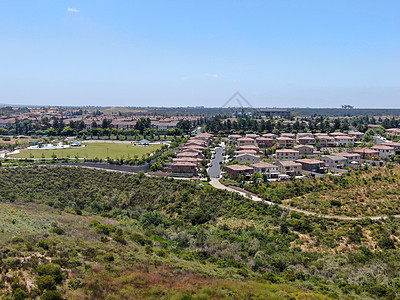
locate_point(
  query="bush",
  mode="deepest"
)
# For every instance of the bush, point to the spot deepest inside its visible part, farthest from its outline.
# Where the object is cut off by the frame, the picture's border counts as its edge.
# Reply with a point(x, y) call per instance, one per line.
point(337, 203)
point(109, 257)
point(52, 270)
point(386, 243)
point(20, 294)
point(45, 282)
point(51, 295)
point(199, 217)
point(44, 245)
point(139, 239)
point(120, 239)
point(57, 230)
point(75, 283)
point(17, 239)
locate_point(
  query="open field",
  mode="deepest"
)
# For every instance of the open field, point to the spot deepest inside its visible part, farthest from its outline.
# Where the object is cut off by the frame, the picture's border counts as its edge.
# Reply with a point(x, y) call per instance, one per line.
point(93, 150)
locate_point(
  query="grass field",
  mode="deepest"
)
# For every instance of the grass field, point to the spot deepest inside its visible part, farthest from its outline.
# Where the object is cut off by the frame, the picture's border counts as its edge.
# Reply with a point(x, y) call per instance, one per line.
point(93, 150)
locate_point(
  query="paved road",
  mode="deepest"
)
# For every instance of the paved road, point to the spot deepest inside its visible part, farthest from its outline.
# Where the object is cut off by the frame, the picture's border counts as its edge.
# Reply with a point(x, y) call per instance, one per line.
point(218, 185)
point(215, 170)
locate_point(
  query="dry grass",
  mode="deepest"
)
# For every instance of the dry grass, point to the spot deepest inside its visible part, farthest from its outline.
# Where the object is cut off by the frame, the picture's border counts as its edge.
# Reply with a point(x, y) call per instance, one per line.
point(365, 196)
point(166, 283)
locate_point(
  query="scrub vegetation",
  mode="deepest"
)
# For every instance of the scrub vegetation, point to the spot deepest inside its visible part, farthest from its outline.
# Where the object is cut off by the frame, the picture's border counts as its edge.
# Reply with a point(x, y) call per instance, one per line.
point(90, 234)
point(366, 192)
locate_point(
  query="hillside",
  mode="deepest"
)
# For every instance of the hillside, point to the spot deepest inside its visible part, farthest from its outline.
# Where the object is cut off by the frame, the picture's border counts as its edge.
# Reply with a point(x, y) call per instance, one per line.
point(371, 192)
point(110, 235)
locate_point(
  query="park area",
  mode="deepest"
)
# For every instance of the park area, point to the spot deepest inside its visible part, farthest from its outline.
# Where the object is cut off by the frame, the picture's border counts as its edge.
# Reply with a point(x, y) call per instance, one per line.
point(91, 151)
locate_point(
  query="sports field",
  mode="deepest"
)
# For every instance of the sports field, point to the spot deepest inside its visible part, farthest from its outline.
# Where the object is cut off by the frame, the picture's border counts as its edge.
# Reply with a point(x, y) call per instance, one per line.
point(92, 150)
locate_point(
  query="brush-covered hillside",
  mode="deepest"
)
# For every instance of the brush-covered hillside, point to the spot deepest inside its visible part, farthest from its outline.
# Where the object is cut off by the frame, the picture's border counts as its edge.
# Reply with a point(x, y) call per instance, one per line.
point(89, 234)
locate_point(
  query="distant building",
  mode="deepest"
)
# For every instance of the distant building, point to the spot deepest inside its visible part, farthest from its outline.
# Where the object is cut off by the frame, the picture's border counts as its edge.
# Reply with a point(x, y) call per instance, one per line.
point(249, 147)
point(290, 168)
point(394, 145)
point(264, 142)
point(366, 153)
point(305, 149)
point(306, 140)
point(182, 167)
point(252, 135)
point(285, 141)
point(270, 136)
point(239, 170)
point(326, 140)
point(248, 157)
point(334, 161)
point(343, 140)
point(245, 141)
point(393, 131)
point(289, 135)
point(245, 151)
point(287, 154)
point(356, 135)
point(384, 151)
point(266, 168)
point(351, 158)
point(233, 138)
point(312, 165)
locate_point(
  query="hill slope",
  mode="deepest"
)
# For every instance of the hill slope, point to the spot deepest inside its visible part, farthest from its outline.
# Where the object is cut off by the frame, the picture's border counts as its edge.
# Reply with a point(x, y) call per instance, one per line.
point(116, 235)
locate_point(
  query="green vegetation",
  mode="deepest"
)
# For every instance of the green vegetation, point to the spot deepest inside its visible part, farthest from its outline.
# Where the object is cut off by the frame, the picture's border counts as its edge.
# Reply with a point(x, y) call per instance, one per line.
point(130, 236)
point(93, 150)
point(360, 193)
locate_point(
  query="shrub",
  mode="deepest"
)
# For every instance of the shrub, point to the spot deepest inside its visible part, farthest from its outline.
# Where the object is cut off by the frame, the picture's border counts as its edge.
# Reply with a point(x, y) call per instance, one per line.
point(386, 243)
point(51, 295)
point(45, 282)
point(12, 262)
point(139, 239)
point(17, 239)
point(337, 203)
point(148, 249)
point(53, 270)
point(20, 294)
point(199, 217)
point(109, 257)
point(57, 230)
point(44, 245)
point(75, 283)
point(120, 239)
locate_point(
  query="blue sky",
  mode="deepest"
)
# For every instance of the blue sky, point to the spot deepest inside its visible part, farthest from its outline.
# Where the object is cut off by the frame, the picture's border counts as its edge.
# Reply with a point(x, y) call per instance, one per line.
point(285, 53)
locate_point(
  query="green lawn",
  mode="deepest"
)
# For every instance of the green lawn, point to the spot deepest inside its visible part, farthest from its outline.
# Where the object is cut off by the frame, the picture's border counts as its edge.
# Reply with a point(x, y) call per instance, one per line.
point(93, 150)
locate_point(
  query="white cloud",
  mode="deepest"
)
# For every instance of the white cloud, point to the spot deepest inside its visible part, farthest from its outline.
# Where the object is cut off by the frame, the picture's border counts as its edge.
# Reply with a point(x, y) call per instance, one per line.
point(72, 10)
point(184, 78)
point(212, 75)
